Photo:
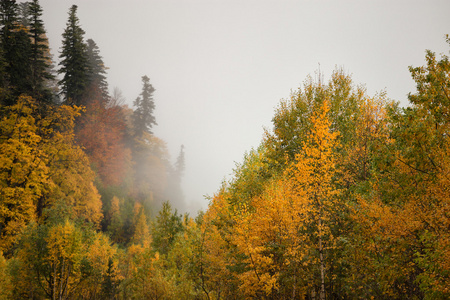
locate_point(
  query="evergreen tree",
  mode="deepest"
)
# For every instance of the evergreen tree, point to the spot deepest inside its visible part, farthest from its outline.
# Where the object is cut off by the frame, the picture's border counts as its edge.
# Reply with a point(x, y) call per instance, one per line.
point(143, 118)
point(8, 10)
point(3, 76)
point(174, 191)
point(23, 13)
point(8, 19)
point(40, 60)
point(74, 63)
point(97, 69)
point(16, 49)
point(180, 163)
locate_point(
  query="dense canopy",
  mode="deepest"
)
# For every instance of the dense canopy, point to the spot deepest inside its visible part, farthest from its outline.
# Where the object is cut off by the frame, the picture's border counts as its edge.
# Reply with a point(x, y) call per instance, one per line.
point(347, 196)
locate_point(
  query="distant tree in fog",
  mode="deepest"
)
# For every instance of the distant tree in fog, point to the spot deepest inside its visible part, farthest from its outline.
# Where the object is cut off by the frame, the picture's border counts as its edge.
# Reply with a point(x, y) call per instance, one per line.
point(180, 163)
point(174, 191)
point(143, 118)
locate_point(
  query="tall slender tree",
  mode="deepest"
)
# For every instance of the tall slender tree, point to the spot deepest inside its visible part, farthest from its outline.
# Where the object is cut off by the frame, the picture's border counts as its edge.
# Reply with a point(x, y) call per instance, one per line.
point(23, 13)
point(3, 75)
point(40, 53)
point(8, 15)
point(174, 190)
point(16, 48)
point(97, 69)
point(180, 164)
point(74, 61)
point(143, 118)
point(8, 20)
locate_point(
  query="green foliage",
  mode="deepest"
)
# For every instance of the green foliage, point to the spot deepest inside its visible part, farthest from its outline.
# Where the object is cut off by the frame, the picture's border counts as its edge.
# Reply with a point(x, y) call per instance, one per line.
point(74, 61)
point(5, 281)
point(96, 69)
point(346, 198)
point(250, 177)
point(61, 260)
point(40, 53)
point(167, 225)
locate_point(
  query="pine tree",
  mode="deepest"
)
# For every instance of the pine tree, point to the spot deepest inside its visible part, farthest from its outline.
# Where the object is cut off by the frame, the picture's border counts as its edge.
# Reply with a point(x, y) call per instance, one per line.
point(143, 118)
point(74, 63)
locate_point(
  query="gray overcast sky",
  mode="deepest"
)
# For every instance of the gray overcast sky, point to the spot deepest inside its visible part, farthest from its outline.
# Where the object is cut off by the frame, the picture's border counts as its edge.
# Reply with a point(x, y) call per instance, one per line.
point(221, 67)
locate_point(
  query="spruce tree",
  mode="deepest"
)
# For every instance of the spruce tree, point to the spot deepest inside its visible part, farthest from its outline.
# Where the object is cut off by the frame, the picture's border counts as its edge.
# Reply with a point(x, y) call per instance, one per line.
point(8, 20)
point(4, 91)
point(16, 47)
point(23, 13)
point(3, 77)
point(97, 69)
point(40, 53)
point(143, 118)
point(74, 61)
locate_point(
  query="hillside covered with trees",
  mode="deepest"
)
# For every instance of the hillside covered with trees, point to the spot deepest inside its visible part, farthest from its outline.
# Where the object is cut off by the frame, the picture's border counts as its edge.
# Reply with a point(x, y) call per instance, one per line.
point(347, 196)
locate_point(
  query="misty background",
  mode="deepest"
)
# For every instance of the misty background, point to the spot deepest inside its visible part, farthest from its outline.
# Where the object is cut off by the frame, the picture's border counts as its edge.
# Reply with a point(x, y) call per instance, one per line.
point(220, 68)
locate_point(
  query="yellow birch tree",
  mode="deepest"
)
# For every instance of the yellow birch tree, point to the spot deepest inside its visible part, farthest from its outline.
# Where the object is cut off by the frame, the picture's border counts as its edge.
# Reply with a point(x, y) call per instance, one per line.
point(313, 173)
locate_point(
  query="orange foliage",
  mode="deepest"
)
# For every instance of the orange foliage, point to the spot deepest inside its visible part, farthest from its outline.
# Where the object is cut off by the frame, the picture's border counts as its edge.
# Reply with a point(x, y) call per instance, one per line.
point(267, 232)
point(215, 250)
point(101, 132)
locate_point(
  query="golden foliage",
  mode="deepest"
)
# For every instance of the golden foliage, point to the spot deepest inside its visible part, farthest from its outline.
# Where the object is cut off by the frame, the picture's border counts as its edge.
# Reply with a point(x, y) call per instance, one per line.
point(40, 165)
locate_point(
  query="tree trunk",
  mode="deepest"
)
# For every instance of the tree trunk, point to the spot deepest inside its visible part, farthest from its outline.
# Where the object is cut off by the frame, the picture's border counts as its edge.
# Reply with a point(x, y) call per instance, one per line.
point(293, 288)
point(322, 267)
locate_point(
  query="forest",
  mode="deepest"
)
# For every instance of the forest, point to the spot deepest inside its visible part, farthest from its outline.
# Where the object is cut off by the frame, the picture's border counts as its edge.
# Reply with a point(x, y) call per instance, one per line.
point(346, 197)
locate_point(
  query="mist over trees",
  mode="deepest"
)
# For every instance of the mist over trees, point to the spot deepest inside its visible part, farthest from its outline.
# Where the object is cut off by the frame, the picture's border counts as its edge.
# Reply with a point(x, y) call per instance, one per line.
point(345, 198)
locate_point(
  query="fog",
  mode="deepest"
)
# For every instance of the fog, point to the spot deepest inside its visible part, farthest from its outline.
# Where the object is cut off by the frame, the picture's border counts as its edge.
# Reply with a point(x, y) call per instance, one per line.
point(221, 67)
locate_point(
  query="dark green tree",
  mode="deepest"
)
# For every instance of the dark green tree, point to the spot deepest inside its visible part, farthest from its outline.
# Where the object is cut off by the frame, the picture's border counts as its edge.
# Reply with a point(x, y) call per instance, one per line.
point(40, 53)
point(8, 16)
point(16, 47)
point(3, 76)
point(8, 19)
point(74, 61)
point(143, 118)
point(97, 70)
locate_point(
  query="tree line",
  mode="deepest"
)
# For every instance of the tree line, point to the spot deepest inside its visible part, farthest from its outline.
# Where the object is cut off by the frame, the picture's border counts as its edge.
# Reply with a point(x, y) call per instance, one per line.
point(82, 176)
point(345, 198)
